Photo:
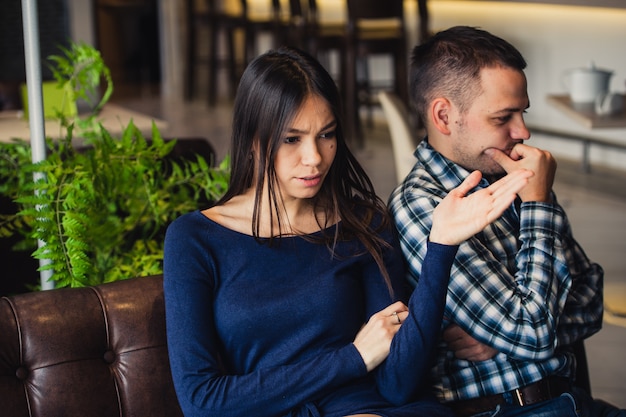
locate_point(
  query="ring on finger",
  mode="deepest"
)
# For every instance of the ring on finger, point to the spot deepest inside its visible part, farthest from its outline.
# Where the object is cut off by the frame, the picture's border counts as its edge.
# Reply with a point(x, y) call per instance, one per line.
point(395, 313)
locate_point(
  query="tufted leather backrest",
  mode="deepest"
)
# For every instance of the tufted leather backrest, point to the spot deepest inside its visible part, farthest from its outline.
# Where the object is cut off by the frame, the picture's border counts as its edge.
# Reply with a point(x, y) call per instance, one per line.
point(96, 351)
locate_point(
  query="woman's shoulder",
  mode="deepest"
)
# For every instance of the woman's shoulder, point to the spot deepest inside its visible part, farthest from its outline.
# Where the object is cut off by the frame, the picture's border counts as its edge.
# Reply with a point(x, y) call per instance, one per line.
point(195, 222)
point(195, 231)
point(234, 215)
point(186, 220)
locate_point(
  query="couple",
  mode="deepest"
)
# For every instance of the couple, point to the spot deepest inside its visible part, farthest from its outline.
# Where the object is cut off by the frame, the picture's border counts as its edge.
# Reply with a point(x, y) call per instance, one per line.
point(289, 296)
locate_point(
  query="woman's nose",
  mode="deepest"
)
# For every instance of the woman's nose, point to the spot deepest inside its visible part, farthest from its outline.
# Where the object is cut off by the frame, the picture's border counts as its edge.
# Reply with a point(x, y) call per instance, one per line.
point(310, 153)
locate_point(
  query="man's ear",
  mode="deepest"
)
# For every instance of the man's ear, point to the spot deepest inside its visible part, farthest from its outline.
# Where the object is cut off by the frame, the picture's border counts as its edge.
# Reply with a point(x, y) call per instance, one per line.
point(440, 111)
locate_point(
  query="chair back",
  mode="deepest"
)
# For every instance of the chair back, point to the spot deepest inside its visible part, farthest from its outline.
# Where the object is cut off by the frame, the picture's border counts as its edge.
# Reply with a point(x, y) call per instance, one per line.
point(333, 30)
point(374, 27)
point(375, 9)
point(375, 20)
point(270, 11)
point(296, 8)
point(403, 138)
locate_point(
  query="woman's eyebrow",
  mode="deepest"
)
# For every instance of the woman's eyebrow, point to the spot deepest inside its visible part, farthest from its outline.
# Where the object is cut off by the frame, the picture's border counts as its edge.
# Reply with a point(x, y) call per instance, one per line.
point(332, 123)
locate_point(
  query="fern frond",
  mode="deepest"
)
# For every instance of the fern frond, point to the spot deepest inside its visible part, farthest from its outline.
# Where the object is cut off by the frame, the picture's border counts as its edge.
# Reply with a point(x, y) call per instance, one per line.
point(101, 210)
point(10, 224)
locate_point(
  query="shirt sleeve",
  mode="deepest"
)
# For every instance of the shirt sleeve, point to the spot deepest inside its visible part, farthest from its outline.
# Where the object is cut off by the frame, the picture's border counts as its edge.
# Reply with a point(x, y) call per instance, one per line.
point(202, 386)
point(402, 376)
point(512, 293)
point(581, 315)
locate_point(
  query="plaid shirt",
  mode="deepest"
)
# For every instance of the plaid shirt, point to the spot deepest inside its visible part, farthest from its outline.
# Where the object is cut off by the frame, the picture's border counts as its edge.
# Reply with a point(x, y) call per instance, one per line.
point(523, 285)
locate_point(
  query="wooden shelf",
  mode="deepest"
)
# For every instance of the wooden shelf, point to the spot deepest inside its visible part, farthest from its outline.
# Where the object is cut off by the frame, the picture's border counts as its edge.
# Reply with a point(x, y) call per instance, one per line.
point(586, 115)
point(613, 4)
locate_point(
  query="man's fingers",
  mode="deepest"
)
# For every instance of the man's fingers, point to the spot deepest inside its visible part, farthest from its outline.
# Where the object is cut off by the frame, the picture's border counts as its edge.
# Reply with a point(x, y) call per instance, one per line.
point(501, 159)
point(465, 346)
point(453, 332)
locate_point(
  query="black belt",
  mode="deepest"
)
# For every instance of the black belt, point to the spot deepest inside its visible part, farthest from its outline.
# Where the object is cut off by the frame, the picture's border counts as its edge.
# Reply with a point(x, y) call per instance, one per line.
point(543, 390)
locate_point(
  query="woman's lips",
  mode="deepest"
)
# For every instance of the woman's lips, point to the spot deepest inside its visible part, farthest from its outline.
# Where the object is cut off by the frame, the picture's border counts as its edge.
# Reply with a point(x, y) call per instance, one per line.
point(311, 181)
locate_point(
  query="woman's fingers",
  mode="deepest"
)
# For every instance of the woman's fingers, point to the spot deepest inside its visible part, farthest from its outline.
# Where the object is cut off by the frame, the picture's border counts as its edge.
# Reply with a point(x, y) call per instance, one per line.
point(374, 339)
point(510, 184)
point(468, 184)
point(460, 216)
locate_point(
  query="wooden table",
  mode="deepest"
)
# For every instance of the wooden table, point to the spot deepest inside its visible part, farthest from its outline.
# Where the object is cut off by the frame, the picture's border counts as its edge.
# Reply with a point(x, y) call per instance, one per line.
point(114, 118)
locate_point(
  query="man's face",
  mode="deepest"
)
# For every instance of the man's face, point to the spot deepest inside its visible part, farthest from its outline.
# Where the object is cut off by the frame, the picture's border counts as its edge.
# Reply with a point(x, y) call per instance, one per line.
point(495, 119)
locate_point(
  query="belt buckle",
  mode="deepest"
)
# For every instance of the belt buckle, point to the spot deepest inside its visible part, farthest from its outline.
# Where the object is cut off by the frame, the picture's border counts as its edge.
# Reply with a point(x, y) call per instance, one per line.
point(519, 396)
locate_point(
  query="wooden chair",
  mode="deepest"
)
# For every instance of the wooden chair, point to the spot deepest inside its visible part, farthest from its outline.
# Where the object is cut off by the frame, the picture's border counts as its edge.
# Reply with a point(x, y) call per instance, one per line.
point(271, 21)
point(206, 14)
point(303, 28)
point(324, 37)
point(374, 27)
point(424, 20)
point(212, 16)
point(293, 23)
point(403, 134)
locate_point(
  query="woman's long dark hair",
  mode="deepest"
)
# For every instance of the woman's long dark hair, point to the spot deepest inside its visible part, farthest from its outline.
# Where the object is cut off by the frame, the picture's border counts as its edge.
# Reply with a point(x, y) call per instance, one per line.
point(271, 91)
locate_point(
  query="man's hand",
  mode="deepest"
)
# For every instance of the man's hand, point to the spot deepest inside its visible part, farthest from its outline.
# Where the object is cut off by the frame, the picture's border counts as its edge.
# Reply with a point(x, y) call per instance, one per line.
point(540, 162)
point(465, 346)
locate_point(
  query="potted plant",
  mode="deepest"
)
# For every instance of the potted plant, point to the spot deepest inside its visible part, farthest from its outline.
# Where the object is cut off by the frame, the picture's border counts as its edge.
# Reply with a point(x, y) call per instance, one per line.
point(100, 209)
point(78, 73)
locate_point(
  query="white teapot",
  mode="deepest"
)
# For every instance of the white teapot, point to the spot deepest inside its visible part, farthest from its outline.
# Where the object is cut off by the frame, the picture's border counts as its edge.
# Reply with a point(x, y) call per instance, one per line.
point(586, 84)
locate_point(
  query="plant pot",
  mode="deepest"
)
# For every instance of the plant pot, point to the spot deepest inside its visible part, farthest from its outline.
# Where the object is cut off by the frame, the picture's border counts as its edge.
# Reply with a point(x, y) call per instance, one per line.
point(56, 100)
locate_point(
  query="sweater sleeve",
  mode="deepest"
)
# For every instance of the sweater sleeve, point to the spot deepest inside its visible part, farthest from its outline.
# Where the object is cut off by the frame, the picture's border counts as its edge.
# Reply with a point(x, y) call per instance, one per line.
point(407, 367)
point(202, 385)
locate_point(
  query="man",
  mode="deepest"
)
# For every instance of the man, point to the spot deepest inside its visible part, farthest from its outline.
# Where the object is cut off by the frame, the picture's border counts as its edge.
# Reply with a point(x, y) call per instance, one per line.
point(522, 291)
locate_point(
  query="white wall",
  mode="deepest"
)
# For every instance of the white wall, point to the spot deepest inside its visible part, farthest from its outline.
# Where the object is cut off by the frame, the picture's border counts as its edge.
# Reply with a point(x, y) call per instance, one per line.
point(553, 39)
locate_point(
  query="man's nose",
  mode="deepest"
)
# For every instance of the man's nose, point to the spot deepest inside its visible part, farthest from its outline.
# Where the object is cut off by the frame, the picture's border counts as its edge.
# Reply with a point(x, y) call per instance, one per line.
point(520, 131)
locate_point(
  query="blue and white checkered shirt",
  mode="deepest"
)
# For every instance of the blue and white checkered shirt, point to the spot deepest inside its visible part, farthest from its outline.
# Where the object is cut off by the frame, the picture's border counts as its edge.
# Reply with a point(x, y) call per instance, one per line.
point(523, 285)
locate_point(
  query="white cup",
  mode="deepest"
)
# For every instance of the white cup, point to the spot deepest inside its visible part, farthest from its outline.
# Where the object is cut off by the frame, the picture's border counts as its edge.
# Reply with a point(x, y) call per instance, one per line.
point(586, 84)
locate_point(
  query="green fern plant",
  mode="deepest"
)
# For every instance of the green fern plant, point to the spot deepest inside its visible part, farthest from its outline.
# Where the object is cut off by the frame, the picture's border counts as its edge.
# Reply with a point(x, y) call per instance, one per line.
point(101, 210)
point(13, 157)
point(81, 70)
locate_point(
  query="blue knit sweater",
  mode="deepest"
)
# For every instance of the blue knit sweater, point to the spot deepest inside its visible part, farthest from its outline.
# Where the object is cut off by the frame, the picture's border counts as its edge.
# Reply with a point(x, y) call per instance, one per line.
point(260, 330)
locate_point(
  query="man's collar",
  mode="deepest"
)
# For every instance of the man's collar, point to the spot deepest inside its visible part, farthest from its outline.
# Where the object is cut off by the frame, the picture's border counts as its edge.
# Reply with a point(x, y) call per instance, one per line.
point(449, 173)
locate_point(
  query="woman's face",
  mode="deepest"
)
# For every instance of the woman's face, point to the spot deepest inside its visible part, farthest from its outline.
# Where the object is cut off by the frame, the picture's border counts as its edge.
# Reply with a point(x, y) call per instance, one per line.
point(307, 150)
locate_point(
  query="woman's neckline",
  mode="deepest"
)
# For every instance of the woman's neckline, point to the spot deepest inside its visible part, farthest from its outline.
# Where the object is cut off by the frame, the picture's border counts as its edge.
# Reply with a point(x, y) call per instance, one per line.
point(224, 227)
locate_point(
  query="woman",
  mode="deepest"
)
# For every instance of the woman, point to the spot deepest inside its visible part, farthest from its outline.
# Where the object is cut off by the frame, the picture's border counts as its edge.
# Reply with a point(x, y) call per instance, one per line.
point(283, 298)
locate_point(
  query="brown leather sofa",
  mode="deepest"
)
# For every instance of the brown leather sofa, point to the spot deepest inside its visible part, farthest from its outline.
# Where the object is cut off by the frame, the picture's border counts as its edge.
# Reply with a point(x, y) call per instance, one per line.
point(96, 351)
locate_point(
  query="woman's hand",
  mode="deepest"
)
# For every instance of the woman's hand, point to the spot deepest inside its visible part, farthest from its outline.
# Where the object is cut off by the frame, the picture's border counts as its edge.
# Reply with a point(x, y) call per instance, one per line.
point(374, 339)
point(458, 216)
